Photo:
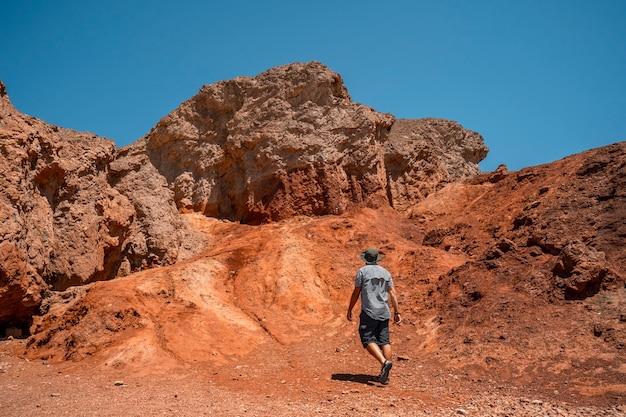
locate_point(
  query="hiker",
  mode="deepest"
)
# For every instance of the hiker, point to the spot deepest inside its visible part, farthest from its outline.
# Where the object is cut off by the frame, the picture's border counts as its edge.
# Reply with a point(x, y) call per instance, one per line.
point(374, 285)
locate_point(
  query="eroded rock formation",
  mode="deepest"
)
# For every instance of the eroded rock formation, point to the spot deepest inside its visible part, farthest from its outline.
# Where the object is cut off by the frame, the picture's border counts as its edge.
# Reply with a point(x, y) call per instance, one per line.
point(287, 142)
point(423, 155)
point(63, 221)
point(290, 141)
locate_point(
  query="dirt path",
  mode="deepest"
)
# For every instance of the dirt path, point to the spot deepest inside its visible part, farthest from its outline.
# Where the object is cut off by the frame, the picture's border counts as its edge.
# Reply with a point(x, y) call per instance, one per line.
point(334, 380)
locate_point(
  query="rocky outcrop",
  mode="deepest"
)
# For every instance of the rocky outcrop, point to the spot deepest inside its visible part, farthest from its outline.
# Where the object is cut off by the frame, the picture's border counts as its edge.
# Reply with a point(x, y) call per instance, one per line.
point(56, 203)
point(558, 225)
point(154, 238)
point(287, 142)
point(62, 223)
point(423, 155)
point(290, 141)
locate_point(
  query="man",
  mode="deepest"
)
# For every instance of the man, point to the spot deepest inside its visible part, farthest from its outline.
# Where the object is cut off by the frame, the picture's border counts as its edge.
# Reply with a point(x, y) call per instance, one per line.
point(374, 285)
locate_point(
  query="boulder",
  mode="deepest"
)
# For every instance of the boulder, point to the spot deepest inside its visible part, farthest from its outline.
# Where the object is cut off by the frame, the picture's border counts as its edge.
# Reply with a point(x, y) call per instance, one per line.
point(581, 270)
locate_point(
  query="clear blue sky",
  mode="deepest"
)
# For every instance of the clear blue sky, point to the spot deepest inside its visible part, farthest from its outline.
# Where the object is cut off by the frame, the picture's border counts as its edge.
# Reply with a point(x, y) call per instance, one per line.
point(540, 80)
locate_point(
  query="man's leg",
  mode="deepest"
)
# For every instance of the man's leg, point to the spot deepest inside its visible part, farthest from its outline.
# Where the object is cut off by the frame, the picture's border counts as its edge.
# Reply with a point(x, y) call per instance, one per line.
point(371, 330)
point(387, 364)
point(384, 357)
point(376, 352)
point(387, 351)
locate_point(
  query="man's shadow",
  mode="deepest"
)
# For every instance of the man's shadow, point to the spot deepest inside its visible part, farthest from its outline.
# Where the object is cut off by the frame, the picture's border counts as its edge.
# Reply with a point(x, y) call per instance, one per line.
point(359, 378)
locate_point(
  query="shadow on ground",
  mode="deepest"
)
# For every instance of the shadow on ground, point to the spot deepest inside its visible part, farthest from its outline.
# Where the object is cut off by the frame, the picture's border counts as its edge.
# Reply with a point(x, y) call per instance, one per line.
point(359, 378)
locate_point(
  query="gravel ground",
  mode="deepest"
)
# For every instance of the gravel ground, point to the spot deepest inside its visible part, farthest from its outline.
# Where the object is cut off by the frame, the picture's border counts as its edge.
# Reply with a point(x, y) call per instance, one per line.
point(36, 388)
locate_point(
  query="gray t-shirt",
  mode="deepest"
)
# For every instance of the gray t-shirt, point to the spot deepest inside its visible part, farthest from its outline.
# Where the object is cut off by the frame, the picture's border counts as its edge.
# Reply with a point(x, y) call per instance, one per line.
point(374, 281)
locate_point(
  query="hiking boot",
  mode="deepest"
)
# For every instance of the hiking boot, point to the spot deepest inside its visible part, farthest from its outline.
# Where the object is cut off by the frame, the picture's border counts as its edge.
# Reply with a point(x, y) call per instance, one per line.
point(383, 378)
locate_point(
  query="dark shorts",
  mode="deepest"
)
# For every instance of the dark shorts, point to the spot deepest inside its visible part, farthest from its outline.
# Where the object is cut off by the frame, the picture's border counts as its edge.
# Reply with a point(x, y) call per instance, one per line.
point(373, 331)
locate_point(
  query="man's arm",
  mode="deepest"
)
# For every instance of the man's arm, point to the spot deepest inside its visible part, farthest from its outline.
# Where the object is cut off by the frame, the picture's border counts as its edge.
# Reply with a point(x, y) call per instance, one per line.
point(353, 299)
point(394, 303)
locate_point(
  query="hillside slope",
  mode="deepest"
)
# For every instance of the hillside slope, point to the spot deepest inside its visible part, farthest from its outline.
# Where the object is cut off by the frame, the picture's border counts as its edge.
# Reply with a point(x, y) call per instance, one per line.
point(484, 294)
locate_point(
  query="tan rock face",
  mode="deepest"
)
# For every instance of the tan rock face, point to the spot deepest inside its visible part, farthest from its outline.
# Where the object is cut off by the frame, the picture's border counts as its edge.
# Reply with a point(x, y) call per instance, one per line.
point(57, 206)
point(291, 142)
point(60, 216)
point(154, 237)
point(421, 156)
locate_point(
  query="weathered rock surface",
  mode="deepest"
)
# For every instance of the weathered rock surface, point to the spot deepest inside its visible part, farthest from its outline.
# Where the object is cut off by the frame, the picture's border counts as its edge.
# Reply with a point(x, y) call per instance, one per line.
point(62, 220)
point(423, 155)
point(290, 141)
point(545, 273)
point(21, 288)
point(155, 237)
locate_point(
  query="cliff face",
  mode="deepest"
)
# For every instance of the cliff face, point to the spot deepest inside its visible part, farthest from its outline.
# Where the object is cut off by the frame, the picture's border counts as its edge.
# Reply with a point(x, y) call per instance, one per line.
point(290, 141)
point(72, 212)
